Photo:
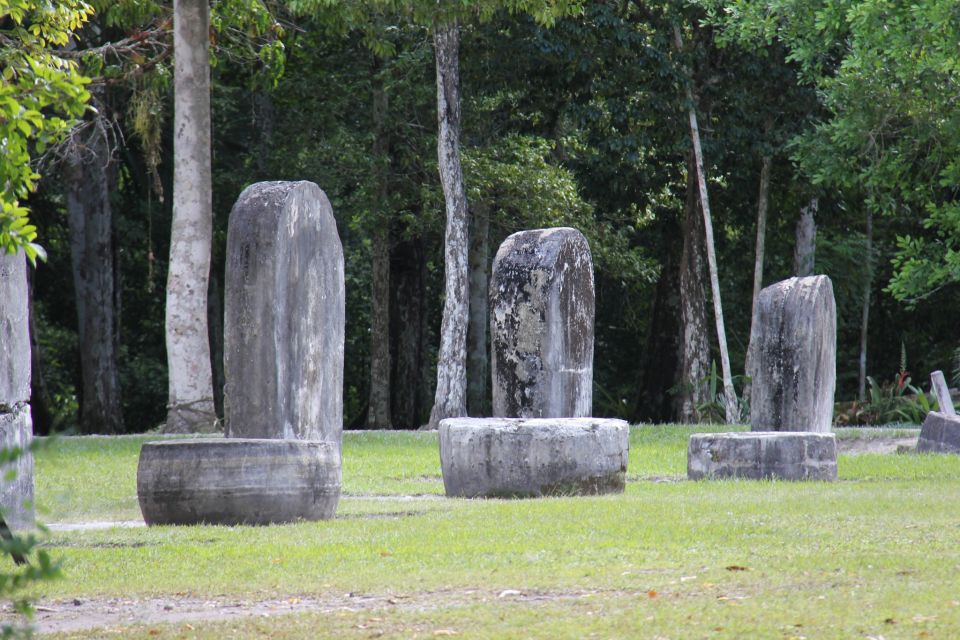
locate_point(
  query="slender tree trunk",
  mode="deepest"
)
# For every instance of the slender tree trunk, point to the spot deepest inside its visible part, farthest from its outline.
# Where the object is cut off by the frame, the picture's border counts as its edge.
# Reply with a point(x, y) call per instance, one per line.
point(264, 119)
point(378, 413)
point(694, 342)
point(89, 180)
point(451, 394)
point(40, 405)
point(763, 202)
point(215, 322)
point(865, 311)
point(190, 405)
point(730, 397)
point(654, 400)
point(478, 355)
point(805, 250)
point(407, 319)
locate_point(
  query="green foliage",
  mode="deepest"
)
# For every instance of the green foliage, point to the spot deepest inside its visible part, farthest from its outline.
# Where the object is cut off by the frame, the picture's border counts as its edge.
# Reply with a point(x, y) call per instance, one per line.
point(41, 93)
point(887, 74)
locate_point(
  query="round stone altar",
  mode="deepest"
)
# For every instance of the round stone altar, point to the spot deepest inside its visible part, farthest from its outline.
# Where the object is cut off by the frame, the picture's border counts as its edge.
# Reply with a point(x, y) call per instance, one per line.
point(238, 481)
point(530, 457)
point(783, 455)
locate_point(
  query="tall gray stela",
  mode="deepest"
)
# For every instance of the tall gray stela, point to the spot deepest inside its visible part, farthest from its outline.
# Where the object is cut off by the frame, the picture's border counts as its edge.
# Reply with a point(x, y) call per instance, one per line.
point(284, 315)
point(16, 427)
point(541, 325)
point(794, 370)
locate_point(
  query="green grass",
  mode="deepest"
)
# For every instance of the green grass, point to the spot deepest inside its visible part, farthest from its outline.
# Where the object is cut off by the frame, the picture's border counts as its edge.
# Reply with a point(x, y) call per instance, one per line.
point(877, 553)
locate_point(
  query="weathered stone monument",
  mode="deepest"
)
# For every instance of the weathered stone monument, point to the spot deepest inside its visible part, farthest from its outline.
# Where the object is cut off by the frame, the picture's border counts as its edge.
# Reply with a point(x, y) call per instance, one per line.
point(793, 371)
point(941, 429)
point(283, 327)
point(517, 457)
point(541, 325)
point(541, 441)
point(283, 353)
point(794, 367)
point(16, 427)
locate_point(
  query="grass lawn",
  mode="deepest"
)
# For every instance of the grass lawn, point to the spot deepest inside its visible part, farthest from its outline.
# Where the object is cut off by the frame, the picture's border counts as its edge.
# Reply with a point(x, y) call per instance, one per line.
point(875, 554)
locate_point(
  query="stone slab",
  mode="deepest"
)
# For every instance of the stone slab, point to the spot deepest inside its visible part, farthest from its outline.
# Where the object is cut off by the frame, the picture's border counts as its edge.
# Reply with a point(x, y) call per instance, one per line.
point(541, 325)
point(517, 457)
point(284, 315)
point(16, 494)
point(14, 335)
point(238, 481)
point(793, 370)
point(940, 433)
point(760, 455)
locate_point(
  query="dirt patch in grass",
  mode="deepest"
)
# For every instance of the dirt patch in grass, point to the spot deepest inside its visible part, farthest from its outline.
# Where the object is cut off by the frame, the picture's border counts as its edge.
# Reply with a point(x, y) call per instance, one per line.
point(113, 614)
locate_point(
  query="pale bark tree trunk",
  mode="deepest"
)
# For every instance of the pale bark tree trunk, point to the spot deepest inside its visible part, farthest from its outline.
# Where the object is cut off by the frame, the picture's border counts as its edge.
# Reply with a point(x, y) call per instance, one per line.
point(694, 342)
point(451, 394)
point(190, 405)
point(89, 174)
point(865, 311)
point(804, 252)
point(731, 409)
point(378, 413)
point(478, 355)
point(763, 203)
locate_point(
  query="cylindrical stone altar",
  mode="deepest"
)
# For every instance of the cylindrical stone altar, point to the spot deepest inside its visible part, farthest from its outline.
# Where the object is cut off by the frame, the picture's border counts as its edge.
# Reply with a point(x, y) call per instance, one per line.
point(237, 481)
point(283, 315)
point(16, 426)
point(541, 325)
point(793, 369)
point(517, 457)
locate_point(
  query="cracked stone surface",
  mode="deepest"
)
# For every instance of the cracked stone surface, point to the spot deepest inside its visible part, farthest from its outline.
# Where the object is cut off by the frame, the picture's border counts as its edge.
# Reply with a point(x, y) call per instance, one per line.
point(762, 455)
point(541, 325)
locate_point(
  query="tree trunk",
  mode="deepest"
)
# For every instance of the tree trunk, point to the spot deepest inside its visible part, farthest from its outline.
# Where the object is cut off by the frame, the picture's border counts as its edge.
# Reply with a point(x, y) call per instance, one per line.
point(41, 413)
point(451, 395)
point(763, 203)
point(215, 322)
point(805, 250)
point(865, 311)
point(731, 408)
point(694, 342)
point(190, 405)
point(407, 319)
point(89, 176)
point(654, 400)
point(378, 412)
point(478, 356)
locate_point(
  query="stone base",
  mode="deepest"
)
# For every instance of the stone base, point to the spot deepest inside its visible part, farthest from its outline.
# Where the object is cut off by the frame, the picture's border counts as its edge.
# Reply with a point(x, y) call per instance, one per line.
point(16, 492)
point(782, 455)
point(940, 434)
point(518, 457)
point(238, 481)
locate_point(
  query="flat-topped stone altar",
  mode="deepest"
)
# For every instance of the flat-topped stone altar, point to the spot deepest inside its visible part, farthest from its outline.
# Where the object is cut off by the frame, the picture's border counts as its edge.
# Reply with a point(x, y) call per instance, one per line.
point(530, 457)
